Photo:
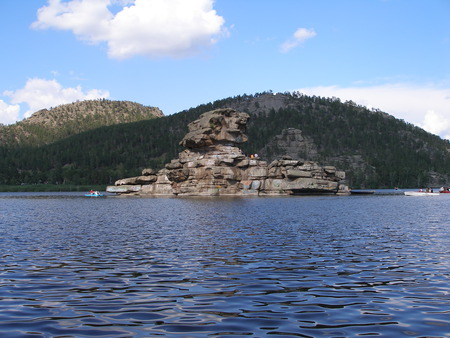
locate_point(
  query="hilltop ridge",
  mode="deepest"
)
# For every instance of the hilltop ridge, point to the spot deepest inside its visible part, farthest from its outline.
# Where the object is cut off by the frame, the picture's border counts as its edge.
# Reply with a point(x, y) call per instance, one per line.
point(49, 125)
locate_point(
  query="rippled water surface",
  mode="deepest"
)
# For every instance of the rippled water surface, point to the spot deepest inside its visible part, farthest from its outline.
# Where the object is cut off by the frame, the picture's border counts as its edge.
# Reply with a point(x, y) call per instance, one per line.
point(317, 266)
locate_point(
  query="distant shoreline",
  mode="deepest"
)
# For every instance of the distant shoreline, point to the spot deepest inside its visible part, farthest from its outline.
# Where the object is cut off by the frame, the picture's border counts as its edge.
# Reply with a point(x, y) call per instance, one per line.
point(50, 188)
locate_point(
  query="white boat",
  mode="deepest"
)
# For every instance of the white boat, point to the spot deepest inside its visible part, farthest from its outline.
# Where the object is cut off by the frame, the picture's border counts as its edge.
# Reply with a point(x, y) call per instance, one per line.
point(421, 193)
point(93, 194)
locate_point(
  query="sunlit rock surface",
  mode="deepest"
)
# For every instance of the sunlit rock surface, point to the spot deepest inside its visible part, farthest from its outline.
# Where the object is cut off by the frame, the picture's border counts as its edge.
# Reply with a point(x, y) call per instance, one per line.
point(213, 165)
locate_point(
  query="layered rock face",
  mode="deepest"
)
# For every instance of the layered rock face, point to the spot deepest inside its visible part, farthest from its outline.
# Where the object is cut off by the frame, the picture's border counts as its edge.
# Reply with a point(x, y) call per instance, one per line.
point(212, 164)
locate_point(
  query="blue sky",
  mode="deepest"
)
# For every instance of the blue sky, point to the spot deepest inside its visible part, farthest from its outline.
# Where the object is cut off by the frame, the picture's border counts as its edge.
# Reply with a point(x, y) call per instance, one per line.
point(392, 55)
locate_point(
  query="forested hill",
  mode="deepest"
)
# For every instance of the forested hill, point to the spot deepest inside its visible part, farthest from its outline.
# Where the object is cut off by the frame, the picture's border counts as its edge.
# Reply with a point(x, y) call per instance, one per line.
point(375, 149)
point(49, 125)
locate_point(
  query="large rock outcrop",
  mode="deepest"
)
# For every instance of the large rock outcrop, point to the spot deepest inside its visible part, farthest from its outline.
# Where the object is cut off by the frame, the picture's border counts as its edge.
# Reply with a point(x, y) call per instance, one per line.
point(218, 127)
point(212, 164)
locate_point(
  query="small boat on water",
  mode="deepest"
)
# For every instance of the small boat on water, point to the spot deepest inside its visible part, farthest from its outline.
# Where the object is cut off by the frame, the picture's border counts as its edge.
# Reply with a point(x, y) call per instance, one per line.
point(421, 193)
point(444, 190)
point(94, 194)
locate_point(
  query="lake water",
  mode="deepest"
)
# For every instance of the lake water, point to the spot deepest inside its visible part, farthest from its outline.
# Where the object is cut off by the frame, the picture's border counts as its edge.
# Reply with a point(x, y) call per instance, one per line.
point(306, 266)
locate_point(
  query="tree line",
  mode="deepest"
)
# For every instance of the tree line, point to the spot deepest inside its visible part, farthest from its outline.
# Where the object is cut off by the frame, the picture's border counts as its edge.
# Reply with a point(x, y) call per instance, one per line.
point(394, 152)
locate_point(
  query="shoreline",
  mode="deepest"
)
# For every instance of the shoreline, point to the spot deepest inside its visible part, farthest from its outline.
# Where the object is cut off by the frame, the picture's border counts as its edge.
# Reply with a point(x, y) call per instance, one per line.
point(50, 188)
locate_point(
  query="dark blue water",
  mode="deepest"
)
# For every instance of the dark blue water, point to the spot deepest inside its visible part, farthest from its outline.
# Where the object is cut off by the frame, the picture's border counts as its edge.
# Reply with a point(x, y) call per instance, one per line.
point(320, 266)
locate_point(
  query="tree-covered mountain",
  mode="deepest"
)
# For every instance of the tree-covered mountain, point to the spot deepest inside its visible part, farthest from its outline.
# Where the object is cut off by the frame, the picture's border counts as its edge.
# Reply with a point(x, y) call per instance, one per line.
point(375, 149)
point(49, 125)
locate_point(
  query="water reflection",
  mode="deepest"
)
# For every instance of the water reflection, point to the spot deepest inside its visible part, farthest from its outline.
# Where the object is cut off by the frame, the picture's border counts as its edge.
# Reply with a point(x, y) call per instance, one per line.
point(304, 266)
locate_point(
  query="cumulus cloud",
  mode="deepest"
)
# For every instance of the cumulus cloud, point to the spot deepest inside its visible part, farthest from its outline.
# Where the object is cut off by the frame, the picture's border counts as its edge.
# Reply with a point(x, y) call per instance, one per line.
point(88, 19)
point(41, 93)
point(9, 113)
point(155, 28)
point(300, 36)
point(437, 123)
point(425, 106)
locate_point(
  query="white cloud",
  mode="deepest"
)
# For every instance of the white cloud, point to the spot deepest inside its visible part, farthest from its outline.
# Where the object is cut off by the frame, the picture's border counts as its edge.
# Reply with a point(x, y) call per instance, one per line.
point(154, 28)
point(9, 113)
point(427, 107)
point(300, 36)
point(88, 19)
point(436, 123)
point(39, 94)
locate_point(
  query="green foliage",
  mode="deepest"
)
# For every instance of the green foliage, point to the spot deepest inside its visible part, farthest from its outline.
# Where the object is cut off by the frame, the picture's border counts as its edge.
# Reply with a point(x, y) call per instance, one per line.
point(397, 153)
point(50, 188)
point(400, 153)
point(50, 125)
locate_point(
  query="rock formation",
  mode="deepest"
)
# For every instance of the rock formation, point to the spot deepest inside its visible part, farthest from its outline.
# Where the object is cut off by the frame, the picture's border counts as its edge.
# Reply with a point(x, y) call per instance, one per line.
point(212, 164)
point(291, 143)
